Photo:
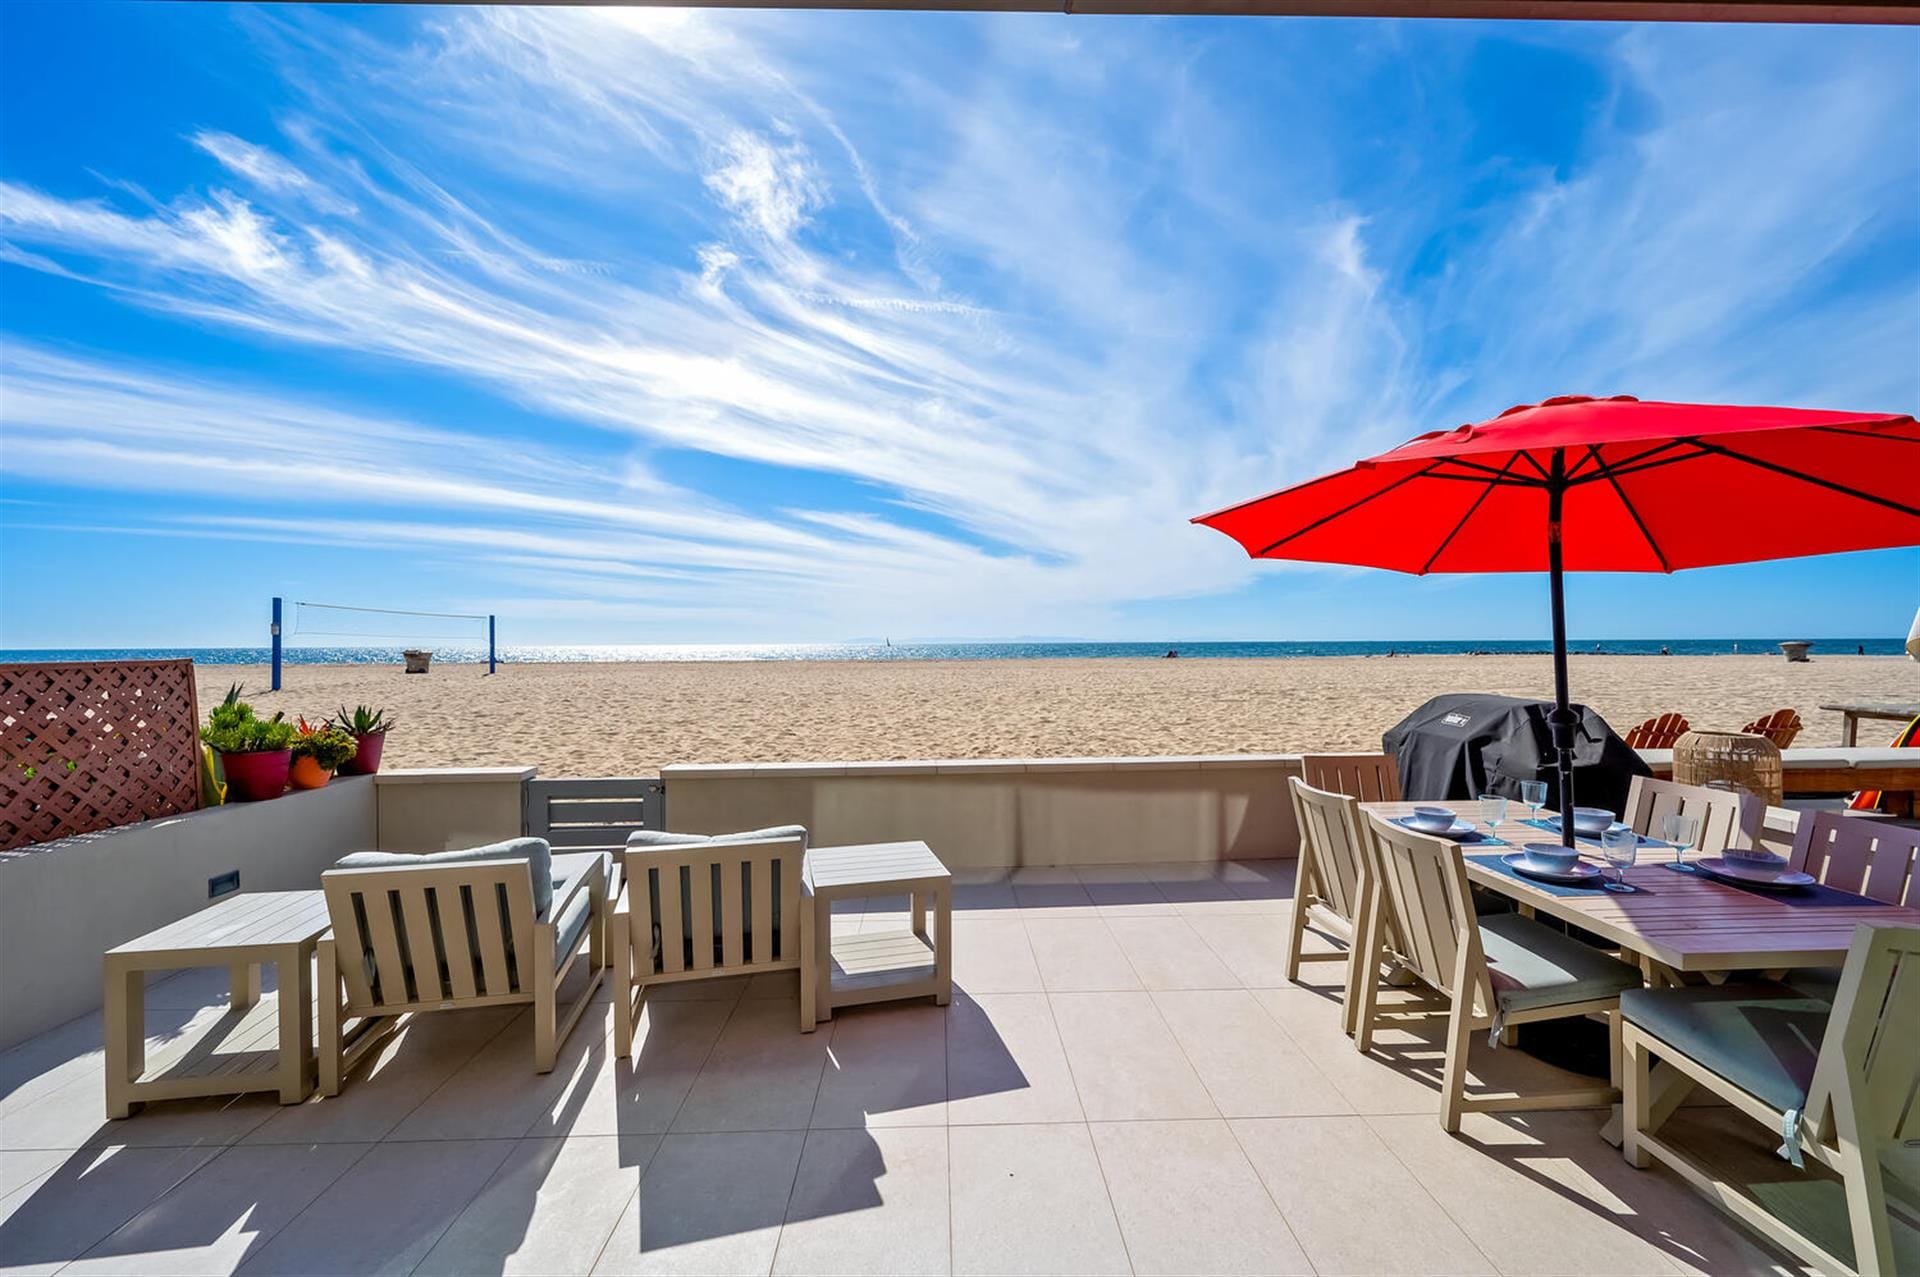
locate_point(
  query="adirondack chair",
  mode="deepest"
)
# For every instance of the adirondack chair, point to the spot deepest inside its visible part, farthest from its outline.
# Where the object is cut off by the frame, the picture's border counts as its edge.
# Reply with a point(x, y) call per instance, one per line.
point(1332, 880)
point(1780, 727)
point(1371, 778)
point(1658, 732)
point(1498, 971)
point(486, 926)
point(698, 907)
point(1727, 817)
point(1835, 1080)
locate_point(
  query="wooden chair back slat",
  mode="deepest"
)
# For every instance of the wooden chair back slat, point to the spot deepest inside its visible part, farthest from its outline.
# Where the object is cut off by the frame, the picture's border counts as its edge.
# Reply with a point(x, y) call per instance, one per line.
point(700, 908)
point(1371, 778)
point(422, 952)
point(389, 971)
point(456, 940)
point(1866, 856)
point(733, 926)
point(1658, 732)
point(1728, 818)
point(788, 882)
point(1425, 882)
point(1331, 845)
point(760, 889)
point(520, 924)
point(350, 941)
point(486, 929)
point(673, 935)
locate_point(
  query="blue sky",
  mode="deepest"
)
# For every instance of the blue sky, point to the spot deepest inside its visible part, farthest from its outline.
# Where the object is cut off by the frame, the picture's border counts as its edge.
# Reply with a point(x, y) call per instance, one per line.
point(661, 326)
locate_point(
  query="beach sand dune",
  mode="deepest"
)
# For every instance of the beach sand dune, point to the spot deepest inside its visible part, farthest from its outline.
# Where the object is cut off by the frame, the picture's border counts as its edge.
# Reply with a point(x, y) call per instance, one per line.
point(628, 719)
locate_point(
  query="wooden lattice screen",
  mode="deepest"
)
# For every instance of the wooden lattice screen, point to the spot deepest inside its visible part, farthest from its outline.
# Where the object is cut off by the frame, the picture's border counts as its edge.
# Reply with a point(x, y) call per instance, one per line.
point(94, 744)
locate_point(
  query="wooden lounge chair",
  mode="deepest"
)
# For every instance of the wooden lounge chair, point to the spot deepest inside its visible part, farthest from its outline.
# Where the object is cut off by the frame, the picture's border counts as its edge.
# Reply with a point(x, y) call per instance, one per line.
point(1499, 971)
point(1780, 727)
point(1658, 732)
point(1835, 1080)
point(1372, 778)
point(700, 907)
point(1332, 880)
point(487, 926)
point(1728, 817)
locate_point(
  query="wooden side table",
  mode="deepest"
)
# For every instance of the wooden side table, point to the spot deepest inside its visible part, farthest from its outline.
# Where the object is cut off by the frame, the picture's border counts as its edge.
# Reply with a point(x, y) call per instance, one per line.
point(881, 966)
point(260, 1044)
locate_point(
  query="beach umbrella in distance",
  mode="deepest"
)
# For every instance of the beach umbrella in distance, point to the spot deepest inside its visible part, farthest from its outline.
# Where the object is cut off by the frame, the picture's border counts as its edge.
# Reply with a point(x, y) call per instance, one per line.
point(1582, 484)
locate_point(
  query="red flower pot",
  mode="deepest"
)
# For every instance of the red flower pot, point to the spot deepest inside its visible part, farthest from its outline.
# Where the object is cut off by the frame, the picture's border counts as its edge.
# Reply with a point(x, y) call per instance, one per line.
point(366, 755)
point(254, 776)
point(308, 774)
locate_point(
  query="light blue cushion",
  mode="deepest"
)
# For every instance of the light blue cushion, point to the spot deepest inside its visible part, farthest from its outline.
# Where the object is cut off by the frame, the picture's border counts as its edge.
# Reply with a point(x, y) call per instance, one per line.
point(1532, 966)
point(535, 851)
point(641, 839)
point(1762, 1037)
point(568, 927)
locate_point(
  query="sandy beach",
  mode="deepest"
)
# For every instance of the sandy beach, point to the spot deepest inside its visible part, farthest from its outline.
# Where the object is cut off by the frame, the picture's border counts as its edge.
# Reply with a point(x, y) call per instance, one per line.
point(628, 719)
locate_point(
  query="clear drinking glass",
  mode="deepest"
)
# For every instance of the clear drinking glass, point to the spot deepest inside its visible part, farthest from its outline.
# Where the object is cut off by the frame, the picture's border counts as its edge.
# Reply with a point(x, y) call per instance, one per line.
point(1493, 810)
point(1680, 831)
point(1621, 846)
point(1534, 794)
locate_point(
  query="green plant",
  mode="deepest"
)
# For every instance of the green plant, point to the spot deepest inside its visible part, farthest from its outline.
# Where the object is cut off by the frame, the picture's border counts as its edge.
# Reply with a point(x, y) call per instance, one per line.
point(363, 721)
point(233, 728)
point(325, 744)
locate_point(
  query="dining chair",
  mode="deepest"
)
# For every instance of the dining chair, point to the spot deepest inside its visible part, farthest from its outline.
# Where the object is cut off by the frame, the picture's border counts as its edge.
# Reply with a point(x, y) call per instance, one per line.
point(1780, 727)
point(1498, 971)
point(1371, 778)
point(1331, 883)
point(1727, 817)
point(1833, 1080)
point(1658, 732)
point(1862, 854)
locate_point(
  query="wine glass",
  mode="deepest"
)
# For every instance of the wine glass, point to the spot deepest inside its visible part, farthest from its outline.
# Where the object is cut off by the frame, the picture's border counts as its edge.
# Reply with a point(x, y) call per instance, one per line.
point(1493, 810)
point(1534, 794)
point(1621, 847)
point(1680, 831)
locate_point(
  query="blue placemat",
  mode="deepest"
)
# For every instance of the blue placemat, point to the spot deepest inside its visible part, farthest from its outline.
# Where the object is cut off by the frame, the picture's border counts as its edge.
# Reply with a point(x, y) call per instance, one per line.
point(1495, 863)
point(1817, 896)
point(1547, 826)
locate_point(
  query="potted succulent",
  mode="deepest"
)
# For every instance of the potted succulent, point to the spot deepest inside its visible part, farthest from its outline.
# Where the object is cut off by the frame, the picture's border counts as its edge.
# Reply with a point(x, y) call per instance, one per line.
point(255, 753)
point(368, 727)
point(317, 751)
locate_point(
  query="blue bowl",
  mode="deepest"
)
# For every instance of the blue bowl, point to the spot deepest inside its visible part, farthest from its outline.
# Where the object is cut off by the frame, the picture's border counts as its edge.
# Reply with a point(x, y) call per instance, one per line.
point(1434, 820)
point(1551, 856)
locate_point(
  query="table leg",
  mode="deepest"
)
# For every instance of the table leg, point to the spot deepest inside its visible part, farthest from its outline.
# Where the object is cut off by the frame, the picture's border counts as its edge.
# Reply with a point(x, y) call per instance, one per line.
point(1849, 730)
point(823, 957)
point(294, 976)
point(919, 899)
point(943, 945)
point(243, 985)
point(124, 1018)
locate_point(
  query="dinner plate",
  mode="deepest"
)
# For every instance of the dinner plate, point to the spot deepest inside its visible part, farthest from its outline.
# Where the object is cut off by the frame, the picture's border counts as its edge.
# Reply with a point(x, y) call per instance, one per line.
point(1461, 828)
point(1754, 875)
point(1521, 863)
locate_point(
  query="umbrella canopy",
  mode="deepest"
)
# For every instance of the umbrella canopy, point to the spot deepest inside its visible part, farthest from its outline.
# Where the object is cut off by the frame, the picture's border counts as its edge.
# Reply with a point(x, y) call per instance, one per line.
point(1603, 485)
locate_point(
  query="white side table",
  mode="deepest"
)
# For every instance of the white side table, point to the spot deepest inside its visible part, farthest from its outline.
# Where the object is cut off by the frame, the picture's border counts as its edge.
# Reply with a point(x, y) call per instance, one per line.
point(887, 965)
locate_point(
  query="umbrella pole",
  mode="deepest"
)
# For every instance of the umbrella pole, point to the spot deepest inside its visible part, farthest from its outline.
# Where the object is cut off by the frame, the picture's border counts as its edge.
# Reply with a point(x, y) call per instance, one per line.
point(1560, 721)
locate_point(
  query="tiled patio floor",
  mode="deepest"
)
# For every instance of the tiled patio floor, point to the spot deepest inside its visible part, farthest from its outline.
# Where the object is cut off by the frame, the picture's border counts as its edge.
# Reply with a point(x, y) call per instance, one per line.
point(1124, 1082)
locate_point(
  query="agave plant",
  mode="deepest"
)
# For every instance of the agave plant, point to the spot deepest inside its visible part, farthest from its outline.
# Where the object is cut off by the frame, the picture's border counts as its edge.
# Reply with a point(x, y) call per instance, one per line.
point(363, 721)
point(233, 728)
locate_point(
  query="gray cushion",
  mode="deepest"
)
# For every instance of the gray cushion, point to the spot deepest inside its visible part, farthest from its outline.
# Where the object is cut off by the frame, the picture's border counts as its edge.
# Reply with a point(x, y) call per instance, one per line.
point(1763, 1037)
point(535, 851)
point(568, 927)
point(1532, 966)
point(644, 838)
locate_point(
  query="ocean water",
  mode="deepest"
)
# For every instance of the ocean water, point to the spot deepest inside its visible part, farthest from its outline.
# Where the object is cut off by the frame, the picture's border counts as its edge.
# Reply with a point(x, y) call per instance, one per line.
point(882, 651)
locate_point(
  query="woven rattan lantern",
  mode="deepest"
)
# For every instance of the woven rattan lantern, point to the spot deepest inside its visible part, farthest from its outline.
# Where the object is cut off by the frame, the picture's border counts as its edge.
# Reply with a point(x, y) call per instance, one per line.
point(1739, 759)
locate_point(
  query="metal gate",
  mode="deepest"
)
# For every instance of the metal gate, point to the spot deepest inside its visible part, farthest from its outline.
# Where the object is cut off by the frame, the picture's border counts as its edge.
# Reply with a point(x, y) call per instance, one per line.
point(594, 813)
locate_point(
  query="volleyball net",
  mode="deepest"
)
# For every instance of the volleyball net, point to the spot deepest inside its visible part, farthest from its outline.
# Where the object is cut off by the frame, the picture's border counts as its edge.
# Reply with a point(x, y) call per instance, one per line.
point(351, 625)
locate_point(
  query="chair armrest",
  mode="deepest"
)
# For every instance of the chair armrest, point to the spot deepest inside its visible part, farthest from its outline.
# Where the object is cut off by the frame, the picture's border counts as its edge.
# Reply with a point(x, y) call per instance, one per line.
point(570, 887)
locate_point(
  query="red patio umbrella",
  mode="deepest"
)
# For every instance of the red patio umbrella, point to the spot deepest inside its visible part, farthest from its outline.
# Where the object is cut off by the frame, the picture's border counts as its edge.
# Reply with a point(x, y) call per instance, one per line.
point(1603, 485)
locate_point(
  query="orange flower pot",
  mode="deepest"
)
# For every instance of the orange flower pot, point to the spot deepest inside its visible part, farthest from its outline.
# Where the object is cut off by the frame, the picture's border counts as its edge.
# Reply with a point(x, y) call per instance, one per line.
point(308, 774)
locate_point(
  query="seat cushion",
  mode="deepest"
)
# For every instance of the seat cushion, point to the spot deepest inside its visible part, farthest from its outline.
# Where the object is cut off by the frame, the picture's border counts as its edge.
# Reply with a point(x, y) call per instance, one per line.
point(1762, 1037)
point(535, 851)
point(1532, 966)
point(641, 839)
point(569, 926)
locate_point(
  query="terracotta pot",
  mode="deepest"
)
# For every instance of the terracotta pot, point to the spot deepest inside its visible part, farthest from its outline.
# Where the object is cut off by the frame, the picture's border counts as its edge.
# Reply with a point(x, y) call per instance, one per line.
point(254, 776)
point(366, 755)
point(307, 773)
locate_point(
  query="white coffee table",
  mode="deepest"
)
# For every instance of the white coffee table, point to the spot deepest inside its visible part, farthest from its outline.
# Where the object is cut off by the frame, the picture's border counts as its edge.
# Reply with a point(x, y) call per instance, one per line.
point(887, 965)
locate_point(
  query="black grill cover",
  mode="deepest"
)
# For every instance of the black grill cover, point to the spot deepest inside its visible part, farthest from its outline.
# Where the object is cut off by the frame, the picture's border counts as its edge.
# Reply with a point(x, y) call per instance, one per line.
point(1467, 744)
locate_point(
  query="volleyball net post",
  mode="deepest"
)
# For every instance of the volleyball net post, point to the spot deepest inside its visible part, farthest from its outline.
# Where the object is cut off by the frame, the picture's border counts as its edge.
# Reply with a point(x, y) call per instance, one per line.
point(493, 666)
point(275, 630)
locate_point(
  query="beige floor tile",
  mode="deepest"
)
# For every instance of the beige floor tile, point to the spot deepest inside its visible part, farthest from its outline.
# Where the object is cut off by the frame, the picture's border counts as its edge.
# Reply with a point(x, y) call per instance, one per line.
point(1401, 1076)
point(642, 1094)
point(387, 1213)
point(762, 1074)
point(774, 984)
point(1189, 884)
point(21, 1166)
point(886, 1066)
point(377, 1096)
point(1352, 1206)
point(721, 989)
point(1005, 1062)
point(549, 1209)
point(1248, 1064)
point(1079, 954)
point(983, 893)
point(497, 1095)
point(1254, 946)
point(48, 1061)
point(991, 955)
point(710, 1203)
point(1123, 891)
point(76, 1114)
point(1537, 1193)
point(1052, 892)
point(1166, 953)
point(868, 1202)
point(55, 1218)
point(1126, 1063)
point(1030, 1199)
point(224, 1213)
point(1188, 1202)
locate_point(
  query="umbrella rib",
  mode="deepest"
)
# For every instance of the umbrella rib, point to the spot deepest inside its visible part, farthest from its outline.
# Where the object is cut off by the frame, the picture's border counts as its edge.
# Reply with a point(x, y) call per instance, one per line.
point(1634, 466)
point(1484, 494)
point(1346, 510)
point(1868, 434)
point(1817, 481)
point(1627, 501)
